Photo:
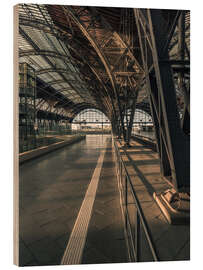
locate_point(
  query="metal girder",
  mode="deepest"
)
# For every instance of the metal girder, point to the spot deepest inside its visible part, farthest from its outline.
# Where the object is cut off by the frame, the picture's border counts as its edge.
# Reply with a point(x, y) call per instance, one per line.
point(50, 116)
point(176, 39)
point(123, 43)
point(144, 107)
point(185, 121)
point(37, 49)
point(117, 36)
point(44, 53)
point(84, 29)
point(130, 124)
point(61, 35)
point(125, 51)
point(173, 144)
point(159, 128)
point(171, 32)
point(41, 25)
point(52, 96)
point(64, 89)
point(58, 82)
point(109, 102)
point(80, 107)
point(93, 42)
point(49, 70)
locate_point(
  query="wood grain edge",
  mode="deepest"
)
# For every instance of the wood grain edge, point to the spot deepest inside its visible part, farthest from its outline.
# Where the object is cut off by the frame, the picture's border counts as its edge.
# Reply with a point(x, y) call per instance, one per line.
point(15, 139)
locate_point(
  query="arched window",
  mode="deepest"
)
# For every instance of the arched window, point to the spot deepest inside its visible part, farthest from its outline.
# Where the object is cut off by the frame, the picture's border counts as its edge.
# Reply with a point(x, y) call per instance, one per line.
point(91, 119)
point(91, 116)
point(141, 116)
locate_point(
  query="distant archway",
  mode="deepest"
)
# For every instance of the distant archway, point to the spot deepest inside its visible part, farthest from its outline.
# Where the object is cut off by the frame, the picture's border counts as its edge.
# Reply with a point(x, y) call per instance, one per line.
point(91, 119)
point(142, 116)
point(143, 124)
point(91, 116)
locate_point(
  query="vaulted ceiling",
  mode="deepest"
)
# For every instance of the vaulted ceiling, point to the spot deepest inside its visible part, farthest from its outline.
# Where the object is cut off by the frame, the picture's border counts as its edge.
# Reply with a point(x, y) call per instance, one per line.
point(85, 57)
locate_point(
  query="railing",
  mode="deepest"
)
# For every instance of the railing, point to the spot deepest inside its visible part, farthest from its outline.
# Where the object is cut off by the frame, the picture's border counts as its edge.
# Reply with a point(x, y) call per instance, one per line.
point(145, 135)
point(137, 233)
point(145, 141)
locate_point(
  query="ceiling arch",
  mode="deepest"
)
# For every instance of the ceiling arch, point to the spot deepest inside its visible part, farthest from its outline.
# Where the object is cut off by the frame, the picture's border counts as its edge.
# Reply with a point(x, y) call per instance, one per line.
point(85, 58)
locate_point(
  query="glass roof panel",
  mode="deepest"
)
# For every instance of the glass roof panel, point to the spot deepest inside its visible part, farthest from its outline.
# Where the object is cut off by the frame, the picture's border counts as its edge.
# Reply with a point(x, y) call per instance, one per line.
point(24, 60)
point(57, 62)
point(76, 99)
point(36, 40)
point(59, 45)
point(23, 44)
point(41, 62)
point(57, 87)
point(54, 75)
point(68, 76)
point(64, 85)
point(45, 77)
point(37, 37)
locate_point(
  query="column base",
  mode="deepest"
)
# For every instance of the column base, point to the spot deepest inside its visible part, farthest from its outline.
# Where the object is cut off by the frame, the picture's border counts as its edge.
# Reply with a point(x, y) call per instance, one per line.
point(127, 144)
point(174, 205)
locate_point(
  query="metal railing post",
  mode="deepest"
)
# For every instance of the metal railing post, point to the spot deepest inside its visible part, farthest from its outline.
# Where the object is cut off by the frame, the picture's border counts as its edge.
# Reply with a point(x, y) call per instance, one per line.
point(126, 192)
point(137, 237)
point(134, 244)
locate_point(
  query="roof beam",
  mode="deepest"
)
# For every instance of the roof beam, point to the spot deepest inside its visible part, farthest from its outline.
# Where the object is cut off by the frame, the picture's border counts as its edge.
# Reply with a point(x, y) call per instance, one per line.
point(30, 41)
point(44, 53)
point(49, 70)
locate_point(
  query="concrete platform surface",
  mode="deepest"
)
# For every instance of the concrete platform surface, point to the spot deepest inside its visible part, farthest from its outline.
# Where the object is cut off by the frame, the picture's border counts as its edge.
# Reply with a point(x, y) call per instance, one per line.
point(172, 242)
point(52, 189)
point(60, 141)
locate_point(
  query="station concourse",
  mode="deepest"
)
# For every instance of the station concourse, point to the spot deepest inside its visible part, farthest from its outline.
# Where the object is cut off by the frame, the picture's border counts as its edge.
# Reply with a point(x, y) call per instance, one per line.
point(102, 135)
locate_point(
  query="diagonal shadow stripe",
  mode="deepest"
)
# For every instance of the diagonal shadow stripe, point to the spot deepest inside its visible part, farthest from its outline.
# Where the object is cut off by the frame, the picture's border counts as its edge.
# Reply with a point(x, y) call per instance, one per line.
point(148, 186)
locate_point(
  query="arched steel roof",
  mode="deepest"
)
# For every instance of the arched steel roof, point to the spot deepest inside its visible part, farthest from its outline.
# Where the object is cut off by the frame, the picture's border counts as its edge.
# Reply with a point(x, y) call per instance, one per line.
point(87, 57)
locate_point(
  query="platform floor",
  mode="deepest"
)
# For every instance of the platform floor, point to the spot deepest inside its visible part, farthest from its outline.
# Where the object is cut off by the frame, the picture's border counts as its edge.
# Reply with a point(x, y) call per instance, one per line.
point(52, 189)
point(172, 242)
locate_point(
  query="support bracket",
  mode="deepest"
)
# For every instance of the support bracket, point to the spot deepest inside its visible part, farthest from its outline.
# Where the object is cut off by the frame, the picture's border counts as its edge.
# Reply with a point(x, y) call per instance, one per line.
point(174, 205)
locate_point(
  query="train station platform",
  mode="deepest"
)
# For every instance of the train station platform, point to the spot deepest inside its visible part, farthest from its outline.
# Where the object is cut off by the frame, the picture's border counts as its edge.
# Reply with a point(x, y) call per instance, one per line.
point(171, 242)
point(70, 207)
point(53, 194)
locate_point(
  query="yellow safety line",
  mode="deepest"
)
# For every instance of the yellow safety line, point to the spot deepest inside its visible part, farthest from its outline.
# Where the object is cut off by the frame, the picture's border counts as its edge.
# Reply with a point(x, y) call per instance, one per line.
point(74, 249)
